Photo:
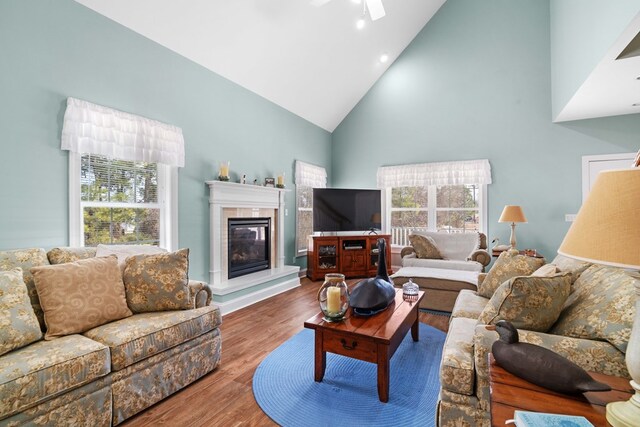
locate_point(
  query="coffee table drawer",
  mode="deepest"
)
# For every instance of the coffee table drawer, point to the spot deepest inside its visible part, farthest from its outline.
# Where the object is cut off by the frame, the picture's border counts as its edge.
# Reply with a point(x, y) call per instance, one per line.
point(351, 346)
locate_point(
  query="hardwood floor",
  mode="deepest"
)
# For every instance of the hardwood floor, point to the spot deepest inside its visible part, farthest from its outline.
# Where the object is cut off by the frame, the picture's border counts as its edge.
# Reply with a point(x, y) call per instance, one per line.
point(224, 397)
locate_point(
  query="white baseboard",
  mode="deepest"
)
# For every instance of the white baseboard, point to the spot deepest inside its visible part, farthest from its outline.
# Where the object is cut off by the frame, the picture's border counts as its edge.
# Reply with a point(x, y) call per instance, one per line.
point(254, 297)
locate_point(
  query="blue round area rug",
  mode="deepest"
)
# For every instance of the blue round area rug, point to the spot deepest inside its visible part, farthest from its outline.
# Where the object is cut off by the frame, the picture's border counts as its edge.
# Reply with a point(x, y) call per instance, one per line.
point(284, 388)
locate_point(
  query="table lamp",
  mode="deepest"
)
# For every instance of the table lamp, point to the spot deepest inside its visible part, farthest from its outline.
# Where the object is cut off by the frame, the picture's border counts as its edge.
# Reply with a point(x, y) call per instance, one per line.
point(607, 231)
point(512, 214)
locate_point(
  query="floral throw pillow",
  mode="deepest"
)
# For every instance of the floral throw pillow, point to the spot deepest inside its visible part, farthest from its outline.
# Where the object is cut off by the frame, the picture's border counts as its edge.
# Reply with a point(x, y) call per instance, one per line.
point(509, 264)
point(533, 303)
point(158, 282)
point(425, 247)
point(18, 323)
point(601, 306)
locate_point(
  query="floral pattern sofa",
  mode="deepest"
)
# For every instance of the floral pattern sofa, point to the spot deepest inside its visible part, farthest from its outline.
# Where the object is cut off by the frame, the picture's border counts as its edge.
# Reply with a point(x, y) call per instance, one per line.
point(592, 330)
point(111, 372)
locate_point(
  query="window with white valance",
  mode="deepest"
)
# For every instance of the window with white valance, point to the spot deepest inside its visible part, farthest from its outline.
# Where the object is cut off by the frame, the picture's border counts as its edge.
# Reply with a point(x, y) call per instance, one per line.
point(441, 173)
point(443, 196)
point(122, 176)
point(94, 129)
point(307, 178)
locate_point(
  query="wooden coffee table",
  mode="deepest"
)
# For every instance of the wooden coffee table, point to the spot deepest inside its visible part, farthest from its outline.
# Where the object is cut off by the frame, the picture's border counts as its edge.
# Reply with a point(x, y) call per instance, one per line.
point(372, 339)
point(509, 393)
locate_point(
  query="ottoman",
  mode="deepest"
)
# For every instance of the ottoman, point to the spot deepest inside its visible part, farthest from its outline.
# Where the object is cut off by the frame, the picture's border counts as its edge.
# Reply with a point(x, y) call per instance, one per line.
point(440, 285)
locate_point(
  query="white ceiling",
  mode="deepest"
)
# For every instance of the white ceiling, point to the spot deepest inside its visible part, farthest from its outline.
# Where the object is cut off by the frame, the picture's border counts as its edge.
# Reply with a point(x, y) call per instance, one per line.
point(613, 87)
point(310, 60)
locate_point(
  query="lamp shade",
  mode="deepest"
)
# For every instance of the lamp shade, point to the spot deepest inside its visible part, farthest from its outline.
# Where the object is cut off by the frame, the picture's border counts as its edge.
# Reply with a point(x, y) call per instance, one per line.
point(607, 227)
point(512, 213)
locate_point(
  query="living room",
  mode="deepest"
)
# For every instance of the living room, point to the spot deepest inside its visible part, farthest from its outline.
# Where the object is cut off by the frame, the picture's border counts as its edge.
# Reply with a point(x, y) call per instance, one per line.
point(481, 80)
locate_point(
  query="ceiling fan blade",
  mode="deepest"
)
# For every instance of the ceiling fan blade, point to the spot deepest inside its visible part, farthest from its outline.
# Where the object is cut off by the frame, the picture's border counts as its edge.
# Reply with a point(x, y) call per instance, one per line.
point(318, 3)
point(376, 10)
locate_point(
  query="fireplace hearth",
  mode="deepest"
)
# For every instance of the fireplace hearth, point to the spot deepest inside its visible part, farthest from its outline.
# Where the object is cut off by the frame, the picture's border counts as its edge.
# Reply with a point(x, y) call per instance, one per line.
point(249, 245)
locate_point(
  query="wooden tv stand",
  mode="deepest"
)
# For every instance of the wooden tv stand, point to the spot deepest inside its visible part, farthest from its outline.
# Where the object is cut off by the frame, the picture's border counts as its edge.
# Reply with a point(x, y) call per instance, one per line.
point(353, 256)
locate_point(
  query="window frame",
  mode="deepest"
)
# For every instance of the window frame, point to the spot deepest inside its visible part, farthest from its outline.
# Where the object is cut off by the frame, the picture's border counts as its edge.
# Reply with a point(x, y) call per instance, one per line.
point(167, 202)
point(301, 251)
point(432, 209)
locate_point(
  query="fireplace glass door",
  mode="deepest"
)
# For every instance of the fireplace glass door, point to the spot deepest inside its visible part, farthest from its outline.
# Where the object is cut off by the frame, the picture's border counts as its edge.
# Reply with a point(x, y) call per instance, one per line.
point(249, 245)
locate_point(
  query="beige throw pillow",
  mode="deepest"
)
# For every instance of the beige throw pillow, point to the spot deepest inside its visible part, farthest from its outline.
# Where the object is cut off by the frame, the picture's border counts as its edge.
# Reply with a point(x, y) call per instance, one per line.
point(509, 264)
point(529, 302)
point(158, 282)
point(425, 247)
point(80, 295)
point(125, 251)
point(18, 323)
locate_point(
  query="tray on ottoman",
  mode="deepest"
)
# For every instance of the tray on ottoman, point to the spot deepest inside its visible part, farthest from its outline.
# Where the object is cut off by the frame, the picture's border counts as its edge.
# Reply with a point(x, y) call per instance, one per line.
point(441, 285)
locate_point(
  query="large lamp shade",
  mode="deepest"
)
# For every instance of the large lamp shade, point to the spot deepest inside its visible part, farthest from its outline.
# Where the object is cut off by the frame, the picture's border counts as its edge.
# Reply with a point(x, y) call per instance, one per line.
point(607, 231)
point(607, 227)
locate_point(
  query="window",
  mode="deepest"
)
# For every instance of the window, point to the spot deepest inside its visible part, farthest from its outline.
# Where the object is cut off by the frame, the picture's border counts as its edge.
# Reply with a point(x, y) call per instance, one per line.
point(450, 208)
point(121, 202)
point(123, 173)
point(447, 196)
point(308, 177)
point(304, 217)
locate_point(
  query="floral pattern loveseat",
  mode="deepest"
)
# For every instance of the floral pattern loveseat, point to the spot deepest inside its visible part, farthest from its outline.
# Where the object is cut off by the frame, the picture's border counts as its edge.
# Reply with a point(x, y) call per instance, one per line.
point(108, 373)
point(592, 330)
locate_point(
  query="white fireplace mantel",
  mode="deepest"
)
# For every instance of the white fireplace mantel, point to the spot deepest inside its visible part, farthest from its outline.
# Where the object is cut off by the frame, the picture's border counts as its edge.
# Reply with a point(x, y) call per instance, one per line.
point(223, 195)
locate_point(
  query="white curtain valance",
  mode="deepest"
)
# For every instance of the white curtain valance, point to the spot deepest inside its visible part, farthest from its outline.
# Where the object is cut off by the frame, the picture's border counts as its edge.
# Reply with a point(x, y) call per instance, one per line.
point(442, 173)
point(310, 175)
point(94, 129)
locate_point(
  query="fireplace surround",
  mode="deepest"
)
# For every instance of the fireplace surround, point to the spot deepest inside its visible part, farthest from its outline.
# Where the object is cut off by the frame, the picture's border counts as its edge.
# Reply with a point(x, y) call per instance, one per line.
point(232, 200)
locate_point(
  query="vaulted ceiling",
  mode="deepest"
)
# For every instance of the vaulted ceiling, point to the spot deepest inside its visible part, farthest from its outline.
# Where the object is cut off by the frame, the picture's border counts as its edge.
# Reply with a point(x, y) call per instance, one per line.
point(311, 60)
point(309, 57)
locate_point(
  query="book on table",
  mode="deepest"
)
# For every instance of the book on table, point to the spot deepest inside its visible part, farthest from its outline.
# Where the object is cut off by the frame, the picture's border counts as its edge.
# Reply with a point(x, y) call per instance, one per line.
point(542, 419)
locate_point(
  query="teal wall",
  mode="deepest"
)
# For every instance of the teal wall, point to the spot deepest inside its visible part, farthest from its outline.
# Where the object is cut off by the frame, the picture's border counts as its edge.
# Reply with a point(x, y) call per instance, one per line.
point(54, 49)
point(475, 83)
point(582, 32)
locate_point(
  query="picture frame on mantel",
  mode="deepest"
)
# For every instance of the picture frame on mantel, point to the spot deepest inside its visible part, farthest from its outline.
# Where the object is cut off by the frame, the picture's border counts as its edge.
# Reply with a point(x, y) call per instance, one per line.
point(269, 182)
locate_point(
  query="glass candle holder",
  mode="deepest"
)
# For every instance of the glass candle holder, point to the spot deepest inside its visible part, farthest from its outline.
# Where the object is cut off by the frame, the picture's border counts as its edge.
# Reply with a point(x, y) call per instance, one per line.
point(223, 172)
point(334, 297)
point(280, 181)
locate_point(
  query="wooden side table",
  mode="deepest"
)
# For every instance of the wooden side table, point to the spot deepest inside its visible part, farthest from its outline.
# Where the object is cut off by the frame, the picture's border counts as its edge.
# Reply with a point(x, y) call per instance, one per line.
point(509, 393)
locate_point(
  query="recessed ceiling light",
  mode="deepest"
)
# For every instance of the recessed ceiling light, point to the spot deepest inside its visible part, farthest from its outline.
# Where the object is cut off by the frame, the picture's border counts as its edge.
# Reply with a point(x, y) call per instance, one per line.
point(384, 58)
point(360, 23)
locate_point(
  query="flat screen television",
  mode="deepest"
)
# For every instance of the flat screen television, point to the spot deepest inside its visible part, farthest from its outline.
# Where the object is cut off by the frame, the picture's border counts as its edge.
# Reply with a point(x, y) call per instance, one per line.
point(343, 209)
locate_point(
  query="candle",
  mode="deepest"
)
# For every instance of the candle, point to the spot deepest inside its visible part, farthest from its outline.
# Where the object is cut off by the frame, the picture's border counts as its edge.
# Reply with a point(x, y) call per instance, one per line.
point(224, 168)
point(281, 180)
point(333, 299)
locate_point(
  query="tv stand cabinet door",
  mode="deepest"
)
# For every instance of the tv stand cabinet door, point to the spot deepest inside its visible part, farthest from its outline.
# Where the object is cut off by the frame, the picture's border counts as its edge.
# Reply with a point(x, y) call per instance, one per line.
point(354, 262)
point(323, 257)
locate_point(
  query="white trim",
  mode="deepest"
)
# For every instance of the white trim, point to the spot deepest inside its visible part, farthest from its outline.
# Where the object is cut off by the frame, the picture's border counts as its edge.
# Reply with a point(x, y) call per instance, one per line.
point(257, 296)
point(600, 162)
point(76, 225)
point(484, 208)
